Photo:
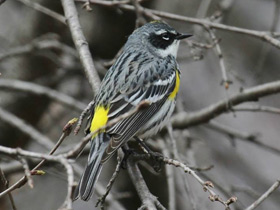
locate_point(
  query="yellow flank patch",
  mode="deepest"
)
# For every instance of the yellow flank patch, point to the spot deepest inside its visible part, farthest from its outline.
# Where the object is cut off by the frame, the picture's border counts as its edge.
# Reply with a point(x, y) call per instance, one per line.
point(177, 86)
point(100, 118)
point(156, 21)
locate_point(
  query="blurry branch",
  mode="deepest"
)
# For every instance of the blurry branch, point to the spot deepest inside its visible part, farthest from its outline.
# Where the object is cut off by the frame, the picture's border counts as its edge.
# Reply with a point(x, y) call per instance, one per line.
point(170, 176)
point(183, 119)
point(264, 196)
point(257, 108)
point(265, 49)
point(263, 35)
point(139, 15)
point(25, 128)
point(231, 132)
point(206, 185)
point(109, 186)
point(47, 41)
point(2, 1)
point(60, 159)
point(225, 81)
point(44, 10)
point(82, 116)
point(81, 44)
point(66, 131)
point(33, 88)
point(26, 171)
point(6, 185)
point(149, 201)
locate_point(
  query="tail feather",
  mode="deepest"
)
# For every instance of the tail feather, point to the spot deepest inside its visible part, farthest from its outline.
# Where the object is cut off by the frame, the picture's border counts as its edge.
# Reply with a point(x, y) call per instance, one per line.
point(86, 185)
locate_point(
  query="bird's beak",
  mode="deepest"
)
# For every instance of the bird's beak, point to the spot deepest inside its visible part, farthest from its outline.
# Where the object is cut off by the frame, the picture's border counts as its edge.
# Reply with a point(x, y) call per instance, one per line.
point(182, 36)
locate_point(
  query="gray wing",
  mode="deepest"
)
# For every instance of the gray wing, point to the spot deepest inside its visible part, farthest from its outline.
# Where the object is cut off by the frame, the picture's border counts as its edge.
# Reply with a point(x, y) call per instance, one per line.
point(152, 83)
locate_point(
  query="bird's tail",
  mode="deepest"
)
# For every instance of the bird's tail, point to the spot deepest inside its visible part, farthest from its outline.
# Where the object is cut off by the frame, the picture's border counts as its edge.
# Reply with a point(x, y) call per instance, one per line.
point(86, 185)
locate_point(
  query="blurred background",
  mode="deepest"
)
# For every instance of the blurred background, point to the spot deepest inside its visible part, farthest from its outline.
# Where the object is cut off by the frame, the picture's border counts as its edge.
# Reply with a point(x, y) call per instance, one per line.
point(241, 168)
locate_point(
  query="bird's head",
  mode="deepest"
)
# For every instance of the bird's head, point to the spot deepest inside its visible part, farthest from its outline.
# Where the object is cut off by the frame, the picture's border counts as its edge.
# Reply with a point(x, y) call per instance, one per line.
point(157, 37)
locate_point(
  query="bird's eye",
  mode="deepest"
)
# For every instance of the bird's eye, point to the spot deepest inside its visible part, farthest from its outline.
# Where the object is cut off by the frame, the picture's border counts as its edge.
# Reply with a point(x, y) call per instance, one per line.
point(165, 36)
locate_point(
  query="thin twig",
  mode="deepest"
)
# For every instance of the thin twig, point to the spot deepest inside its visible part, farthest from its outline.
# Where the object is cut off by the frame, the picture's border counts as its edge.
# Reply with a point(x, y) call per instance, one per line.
point(2, 1)
point(59, 159)
point(81, 44)
point(149, 201)
point(206, 185)
point(264, 196)
point(225, 81)
point(251, 138)
point(82, 116)
point(257, 108)
point(66, 131)
point(26, 171)
point(182, 120)
point(33, 88)
point(6, 185)
point(26, 128)
point(170, 176)
point(44, 10)
point(46, 41)
point(263, 35)
point(109, 186)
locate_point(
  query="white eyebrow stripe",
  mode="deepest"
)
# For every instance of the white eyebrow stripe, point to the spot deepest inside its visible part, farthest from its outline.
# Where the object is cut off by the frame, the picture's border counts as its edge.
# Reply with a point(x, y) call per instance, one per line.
point(161, 31)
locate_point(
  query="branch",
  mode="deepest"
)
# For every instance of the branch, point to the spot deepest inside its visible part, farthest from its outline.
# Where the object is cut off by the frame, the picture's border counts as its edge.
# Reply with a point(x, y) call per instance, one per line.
point(149, 201)
point(25, 128)
point(44, 10)
point(257, 108)
point(60, 159)
point(263, 35)
point(2, 1)
point(41, 91)
point(47, 41)
point(184, 119)
point(6, 185)
point(264, 196)
point(81, 44)
point(206, 185)
point(241, 135)
point(66, 131)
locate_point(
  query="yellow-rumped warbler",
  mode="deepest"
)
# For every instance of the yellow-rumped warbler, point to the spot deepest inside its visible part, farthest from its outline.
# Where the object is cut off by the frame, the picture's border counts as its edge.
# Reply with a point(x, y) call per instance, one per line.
point(146, 71)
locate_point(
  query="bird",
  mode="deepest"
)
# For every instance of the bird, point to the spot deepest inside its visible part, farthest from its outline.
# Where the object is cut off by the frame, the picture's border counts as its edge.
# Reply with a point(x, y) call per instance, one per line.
point(146, 70)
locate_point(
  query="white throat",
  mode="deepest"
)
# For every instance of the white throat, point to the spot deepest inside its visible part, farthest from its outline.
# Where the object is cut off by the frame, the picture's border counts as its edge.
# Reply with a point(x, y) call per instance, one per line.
point(170, 50)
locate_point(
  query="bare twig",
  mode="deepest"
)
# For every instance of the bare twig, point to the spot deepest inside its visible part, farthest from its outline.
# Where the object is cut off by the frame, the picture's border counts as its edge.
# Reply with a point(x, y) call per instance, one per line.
point(26, 171)
point(81, 43)
point(82, 116)
point(59, 159)
point(2, 1)
point(264, 196)
point(109, 186)
point(241, 135)
point(47, 41)
point(170, 180)
point(66, 131)
point(257, 108)
point(225, 81)
point(182, 120)
point(206, 185)
point(25, 128)
point(44, 10)
point(138, 11)
point(149, 201)
point(42, 91)
point(6, 185)
point(263, 35)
